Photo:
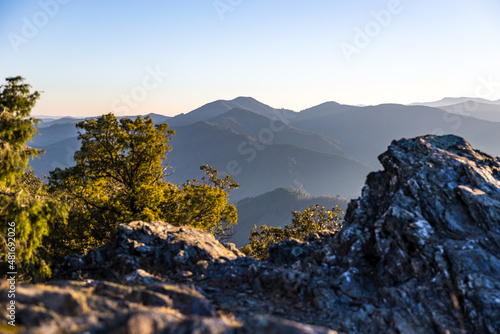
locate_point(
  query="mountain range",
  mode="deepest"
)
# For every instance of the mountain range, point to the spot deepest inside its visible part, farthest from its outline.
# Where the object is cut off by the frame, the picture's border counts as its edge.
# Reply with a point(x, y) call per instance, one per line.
point(261, 166)
point(327, 149)
point(365, 132)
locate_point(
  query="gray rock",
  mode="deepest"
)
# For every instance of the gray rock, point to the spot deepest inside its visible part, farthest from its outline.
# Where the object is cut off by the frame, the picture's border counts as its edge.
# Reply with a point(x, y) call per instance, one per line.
point(143, 252)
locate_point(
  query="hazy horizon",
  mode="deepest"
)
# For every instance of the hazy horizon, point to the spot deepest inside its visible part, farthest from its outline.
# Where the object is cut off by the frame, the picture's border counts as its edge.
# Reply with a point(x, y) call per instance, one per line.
point(90, 58)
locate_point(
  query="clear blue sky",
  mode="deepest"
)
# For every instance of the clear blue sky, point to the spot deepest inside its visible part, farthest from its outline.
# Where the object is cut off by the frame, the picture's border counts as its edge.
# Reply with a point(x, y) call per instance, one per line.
point(88, 55)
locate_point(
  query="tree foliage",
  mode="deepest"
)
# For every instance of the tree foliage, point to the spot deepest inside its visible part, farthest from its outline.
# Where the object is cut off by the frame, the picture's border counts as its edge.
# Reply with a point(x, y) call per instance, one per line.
point(117, 178)
point(21, 198)
point(16, 128)
point(117, 167)
point(312, 219)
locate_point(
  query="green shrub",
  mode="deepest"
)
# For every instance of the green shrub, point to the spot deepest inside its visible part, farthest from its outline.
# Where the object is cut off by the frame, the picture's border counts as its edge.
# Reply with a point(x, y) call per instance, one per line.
point(312, 219)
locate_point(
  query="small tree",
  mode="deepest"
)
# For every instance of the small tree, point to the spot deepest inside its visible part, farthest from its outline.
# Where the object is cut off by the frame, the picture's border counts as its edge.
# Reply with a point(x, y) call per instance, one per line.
point(118, 164)
point(24, 211)
point(118, 177)
point(312, 219)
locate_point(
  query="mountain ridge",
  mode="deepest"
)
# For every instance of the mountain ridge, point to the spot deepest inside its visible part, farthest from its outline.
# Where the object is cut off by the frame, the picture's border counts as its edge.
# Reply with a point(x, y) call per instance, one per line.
point(368, 130)
point(470, 108)
point(268, 130)
point(446, 101)
point(261, 167)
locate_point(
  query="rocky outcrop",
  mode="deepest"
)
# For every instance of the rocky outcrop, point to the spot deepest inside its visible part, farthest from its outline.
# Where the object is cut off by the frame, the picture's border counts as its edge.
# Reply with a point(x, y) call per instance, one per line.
point(419, 253)
point(424, 238)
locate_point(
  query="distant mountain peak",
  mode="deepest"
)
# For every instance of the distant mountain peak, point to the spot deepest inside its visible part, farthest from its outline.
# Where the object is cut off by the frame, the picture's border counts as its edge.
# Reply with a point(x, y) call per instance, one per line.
point(219, 107)
point(249, 98)
point(324, 109)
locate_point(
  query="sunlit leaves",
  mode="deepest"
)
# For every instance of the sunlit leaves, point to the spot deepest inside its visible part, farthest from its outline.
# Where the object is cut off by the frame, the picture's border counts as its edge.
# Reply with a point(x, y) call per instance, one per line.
point(202, 205)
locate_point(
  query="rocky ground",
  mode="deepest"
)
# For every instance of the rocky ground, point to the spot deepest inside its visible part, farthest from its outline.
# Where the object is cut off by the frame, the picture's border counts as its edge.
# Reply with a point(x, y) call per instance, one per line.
point(419, 253)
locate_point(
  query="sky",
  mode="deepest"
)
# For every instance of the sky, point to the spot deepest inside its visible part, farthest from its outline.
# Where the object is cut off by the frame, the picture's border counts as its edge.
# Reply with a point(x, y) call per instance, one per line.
point(91, 57)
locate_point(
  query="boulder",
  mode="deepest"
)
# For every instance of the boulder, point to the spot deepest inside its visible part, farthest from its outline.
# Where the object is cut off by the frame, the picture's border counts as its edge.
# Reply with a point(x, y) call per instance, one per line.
point(143, 252)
